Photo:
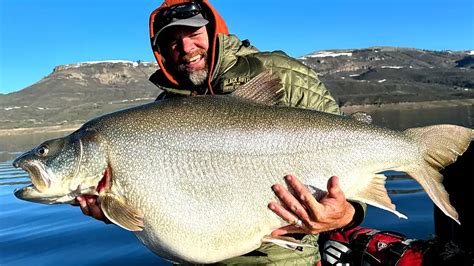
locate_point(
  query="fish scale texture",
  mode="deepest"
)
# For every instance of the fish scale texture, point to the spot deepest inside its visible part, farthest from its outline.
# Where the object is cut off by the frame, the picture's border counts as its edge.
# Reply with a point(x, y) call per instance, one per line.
point(201, 169)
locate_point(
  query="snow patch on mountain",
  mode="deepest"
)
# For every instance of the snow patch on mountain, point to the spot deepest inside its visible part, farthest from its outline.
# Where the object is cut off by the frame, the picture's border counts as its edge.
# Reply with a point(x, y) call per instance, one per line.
point(392, 67)
point(326, 54)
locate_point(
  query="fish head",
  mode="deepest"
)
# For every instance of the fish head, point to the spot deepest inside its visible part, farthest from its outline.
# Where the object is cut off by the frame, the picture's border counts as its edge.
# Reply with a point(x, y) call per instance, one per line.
point(60, 170)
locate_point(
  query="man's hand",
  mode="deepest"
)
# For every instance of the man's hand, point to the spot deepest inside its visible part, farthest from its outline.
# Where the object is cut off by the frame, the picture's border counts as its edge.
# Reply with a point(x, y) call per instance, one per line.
point(331, 212)
point(90, 207)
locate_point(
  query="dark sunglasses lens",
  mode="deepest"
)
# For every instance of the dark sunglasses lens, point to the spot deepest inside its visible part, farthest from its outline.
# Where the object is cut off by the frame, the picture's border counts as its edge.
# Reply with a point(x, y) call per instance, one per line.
point(165, 16)
point(186, 14)
point(185, 11)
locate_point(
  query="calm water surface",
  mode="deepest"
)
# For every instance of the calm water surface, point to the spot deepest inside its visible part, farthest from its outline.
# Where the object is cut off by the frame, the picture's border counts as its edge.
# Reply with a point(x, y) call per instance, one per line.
point(37, 234)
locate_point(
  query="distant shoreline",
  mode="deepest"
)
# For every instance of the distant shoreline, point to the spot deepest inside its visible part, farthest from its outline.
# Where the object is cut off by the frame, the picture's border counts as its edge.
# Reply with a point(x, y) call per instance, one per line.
point(17, 140)
point(410, 105)
point(400, 116)
point(36, 130)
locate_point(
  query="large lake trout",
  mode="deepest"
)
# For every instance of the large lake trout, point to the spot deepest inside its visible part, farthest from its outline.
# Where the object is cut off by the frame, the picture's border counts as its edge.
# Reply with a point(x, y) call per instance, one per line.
point(192, 177)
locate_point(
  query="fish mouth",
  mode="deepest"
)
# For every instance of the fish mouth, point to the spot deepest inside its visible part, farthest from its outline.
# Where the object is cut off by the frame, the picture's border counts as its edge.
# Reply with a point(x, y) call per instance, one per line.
point(25, 192)
point(39, 176)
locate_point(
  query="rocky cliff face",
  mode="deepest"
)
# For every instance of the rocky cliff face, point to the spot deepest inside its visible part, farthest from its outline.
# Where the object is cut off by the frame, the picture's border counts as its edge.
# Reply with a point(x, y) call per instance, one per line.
point(74, 93)
point(89, 82)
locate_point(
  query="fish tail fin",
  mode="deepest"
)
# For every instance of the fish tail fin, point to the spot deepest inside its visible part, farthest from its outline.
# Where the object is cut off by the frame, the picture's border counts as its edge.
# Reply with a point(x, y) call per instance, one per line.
point(441, 145)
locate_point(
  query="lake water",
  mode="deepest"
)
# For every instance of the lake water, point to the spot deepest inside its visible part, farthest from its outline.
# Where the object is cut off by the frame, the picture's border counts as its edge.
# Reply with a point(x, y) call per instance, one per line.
point(37, 234)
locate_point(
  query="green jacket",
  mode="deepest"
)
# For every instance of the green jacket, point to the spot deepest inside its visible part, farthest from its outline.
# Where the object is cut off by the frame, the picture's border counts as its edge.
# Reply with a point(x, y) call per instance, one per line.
point(238, 62)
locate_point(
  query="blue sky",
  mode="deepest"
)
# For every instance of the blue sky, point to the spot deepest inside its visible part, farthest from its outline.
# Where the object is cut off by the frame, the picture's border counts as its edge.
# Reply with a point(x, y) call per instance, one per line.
point(37, 35)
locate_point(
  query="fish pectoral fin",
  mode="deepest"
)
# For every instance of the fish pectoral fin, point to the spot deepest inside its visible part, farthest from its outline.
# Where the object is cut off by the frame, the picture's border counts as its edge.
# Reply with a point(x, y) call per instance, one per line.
point(284, 242)
point(376, 195)
point(118, 211)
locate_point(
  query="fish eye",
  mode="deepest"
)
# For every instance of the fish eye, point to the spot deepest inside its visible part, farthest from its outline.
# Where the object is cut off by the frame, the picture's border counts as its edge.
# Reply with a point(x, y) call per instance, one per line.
point(42, 151)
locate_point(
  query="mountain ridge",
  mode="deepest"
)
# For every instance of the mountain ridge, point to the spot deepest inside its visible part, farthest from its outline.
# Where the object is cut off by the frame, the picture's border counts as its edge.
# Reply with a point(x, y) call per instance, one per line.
point(74, 93)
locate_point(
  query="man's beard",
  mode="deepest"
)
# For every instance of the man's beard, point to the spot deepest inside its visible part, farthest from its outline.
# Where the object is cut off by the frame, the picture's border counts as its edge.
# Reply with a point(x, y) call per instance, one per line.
point(196, 76)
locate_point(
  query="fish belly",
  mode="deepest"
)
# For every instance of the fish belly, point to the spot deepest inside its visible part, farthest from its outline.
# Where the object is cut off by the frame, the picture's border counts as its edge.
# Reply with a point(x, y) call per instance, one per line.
point(205, 200)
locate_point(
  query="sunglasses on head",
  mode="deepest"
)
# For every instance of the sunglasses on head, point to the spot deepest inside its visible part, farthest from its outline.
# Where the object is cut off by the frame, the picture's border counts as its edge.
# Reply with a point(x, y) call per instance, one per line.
point(181, 11)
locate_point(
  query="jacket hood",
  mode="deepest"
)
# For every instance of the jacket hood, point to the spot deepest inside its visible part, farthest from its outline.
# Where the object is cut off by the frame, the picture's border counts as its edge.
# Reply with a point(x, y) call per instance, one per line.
point(216, 25)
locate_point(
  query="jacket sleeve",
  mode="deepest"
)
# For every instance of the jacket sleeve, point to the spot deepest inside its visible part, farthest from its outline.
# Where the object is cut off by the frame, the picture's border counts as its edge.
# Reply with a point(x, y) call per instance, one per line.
point(302, 86)
point(309, 92)
point(359, 215)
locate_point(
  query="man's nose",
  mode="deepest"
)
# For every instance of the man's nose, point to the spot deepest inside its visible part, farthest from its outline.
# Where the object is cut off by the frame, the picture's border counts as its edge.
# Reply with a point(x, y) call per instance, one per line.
point(188, 45)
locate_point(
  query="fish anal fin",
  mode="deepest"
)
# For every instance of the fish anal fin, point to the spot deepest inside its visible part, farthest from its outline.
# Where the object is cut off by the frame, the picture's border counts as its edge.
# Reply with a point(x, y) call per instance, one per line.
point(265, 88)
point(284, 242)
point(376, 195)
point(117, 210)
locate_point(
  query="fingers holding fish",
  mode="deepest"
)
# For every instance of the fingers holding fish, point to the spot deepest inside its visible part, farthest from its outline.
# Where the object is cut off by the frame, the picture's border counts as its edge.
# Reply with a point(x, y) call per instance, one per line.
point(83, 205)
point(337, 212)
point(331, 212)
point(291, 204)
point(311, 206)
point(291, 208)
point(334, 190)
point(90, 207)
point(295, 223)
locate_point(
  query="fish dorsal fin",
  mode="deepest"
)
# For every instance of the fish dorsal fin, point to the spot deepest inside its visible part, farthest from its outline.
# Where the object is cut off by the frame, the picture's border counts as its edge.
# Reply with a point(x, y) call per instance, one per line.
point(376, 195)
point(362, 117)
point(120, 213)
point(265, 88)
point(284, 242)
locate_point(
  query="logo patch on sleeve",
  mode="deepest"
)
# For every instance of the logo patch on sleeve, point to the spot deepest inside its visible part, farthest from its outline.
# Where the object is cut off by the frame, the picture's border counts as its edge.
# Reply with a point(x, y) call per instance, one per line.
point(231, 84)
